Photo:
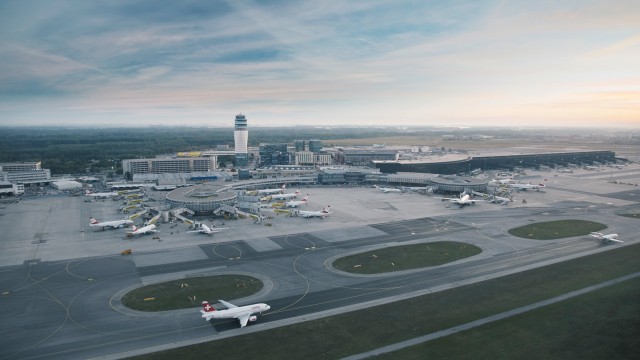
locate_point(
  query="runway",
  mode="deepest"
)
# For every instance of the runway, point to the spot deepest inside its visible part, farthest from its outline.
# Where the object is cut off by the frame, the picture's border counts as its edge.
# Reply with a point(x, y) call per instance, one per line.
point(69, 308)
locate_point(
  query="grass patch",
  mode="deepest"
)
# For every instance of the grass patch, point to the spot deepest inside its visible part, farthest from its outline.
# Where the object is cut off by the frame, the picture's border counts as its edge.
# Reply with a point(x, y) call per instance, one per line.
point(602, 325)
point(405, 257)
point(556, 229)
point(358, 331)
point(190, 292)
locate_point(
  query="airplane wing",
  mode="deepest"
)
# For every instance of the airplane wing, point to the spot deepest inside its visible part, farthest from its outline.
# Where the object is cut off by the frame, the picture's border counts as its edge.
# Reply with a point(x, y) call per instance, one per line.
point(616, 240)
point(229, 305)
point(243, 318)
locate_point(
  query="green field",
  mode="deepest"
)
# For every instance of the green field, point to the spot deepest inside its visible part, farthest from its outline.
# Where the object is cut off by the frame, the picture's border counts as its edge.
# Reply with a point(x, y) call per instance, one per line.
point(405, 257)
point(190, 292)
point(558, 229)
point(603, 324)
point(359, 331)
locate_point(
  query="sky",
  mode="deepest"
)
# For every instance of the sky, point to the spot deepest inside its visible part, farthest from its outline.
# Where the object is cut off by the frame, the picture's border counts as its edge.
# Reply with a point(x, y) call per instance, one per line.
point(356, 63)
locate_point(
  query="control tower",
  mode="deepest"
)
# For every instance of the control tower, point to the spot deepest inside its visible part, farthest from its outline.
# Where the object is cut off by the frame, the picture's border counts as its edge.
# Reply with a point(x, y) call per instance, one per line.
point(241, 137)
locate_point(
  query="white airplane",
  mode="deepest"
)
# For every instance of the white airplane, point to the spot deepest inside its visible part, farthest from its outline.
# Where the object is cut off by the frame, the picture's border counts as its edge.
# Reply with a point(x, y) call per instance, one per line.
point(296, 203)
point(506, 181)
point(309, 214)
point(244, 314)
point(462, 200)
point(149, 229)
point(101, 194)
point(285, 196)
point(528, 186)
point(114, 224)
point(387, 190)
point(204, 229)
point(605, 238)
point(565, 170)
point(501, 200)
point(279, 190)
point(427, 189)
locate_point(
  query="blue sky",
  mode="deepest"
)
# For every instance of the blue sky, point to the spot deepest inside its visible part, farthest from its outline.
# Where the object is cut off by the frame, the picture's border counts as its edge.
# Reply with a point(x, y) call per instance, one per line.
point(463, 63)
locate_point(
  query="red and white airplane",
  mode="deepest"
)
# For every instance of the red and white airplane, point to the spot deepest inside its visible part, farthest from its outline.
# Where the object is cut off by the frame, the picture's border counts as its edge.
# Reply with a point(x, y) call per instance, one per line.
point(279, 190)
point(149, 229)
point(285, 196)
point(204, 229)
point(309, 214)
point(244, 314)
point(605, 238)
point(296, 203)
point(114, 224)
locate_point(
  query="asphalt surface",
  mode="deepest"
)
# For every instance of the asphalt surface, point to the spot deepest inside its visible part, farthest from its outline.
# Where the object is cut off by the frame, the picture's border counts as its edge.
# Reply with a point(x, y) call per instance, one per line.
point(61, 281)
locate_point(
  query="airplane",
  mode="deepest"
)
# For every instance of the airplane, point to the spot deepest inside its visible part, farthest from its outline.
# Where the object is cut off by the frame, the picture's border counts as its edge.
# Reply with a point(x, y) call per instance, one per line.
point(204, 229)
point(114, 224)
point(309, 214)
point(296, 203)
point(528, 186)
point(387, 190)
point(101, 194)
point(149, 229)
point(244, 314)
point(565, 170)
point(605, 238)
point(462, 200)
point(427, 189)
point(506, 181)
point(285, 196)
point(279, 190)
point(501, 200)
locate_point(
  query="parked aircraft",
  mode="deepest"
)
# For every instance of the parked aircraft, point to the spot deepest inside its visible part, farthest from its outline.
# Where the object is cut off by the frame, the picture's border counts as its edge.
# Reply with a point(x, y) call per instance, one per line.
point(426, 189)
point(462, 200)
point(308, 214)
point(244, 314)
point(114, 224)
point(501, 200)
point(296, 203)
point(101, 194)
point(204, 229)
point(605, 238)
point(149, 229)
point(565, 170)
point(279, 190)
point(285, 196)
point(506, 181)
point(529, 186)
point(387, 190)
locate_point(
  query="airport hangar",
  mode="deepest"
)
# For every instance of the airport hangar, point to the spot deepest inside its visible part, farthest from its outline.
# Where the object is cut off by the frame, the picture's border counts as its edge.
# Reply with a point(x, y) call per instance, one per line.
point(465, 163)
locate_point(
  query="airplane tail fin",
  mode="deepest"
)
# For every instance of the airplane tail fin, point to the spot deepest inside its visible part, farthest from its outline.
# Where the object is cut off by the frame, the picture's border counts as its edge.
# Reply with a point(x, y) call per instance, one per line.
point(207, 308)
point(93, 220)
point(306, 198)
point(327, 210)
point(134, 228)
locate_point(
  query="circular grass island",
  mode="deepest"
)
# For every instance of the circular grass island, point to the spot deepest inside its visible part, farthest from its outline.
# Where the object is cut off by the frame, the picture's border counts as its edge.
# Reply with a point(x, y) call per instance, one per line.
point(189, 292)
point(405, 257)
point(558, 229)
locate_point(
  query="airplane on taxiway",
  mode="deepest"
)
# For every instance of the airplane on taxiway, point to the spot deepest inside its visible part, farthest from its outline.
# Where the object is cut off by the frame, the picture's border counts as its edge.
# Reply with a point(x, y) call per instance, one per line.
point(244, 314)
point(463, 200)
point(605, 238)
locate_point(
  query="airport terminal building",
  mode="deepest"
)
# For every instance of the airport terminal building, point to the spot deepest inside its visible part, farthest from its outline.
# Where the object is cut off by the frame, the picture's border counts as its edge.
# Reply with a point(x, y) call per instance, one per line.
point(461, 163)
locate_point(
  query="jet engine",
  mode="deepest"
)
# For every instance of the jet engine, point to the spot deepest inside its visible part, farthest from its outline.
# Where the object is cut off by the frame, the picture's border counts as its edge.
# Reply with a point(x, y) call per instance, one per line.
point(253, 318)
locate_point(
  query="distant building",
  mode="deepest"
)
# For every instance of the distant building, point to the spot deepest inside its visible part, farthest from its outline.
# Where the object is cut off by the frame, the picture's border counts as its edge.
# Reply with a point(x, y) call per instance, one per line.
point(364, 156)
point(24, 173)
point(315, 146)
point(300, 145)
point(164, 165)
point(241, 139)
point(274, 154)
